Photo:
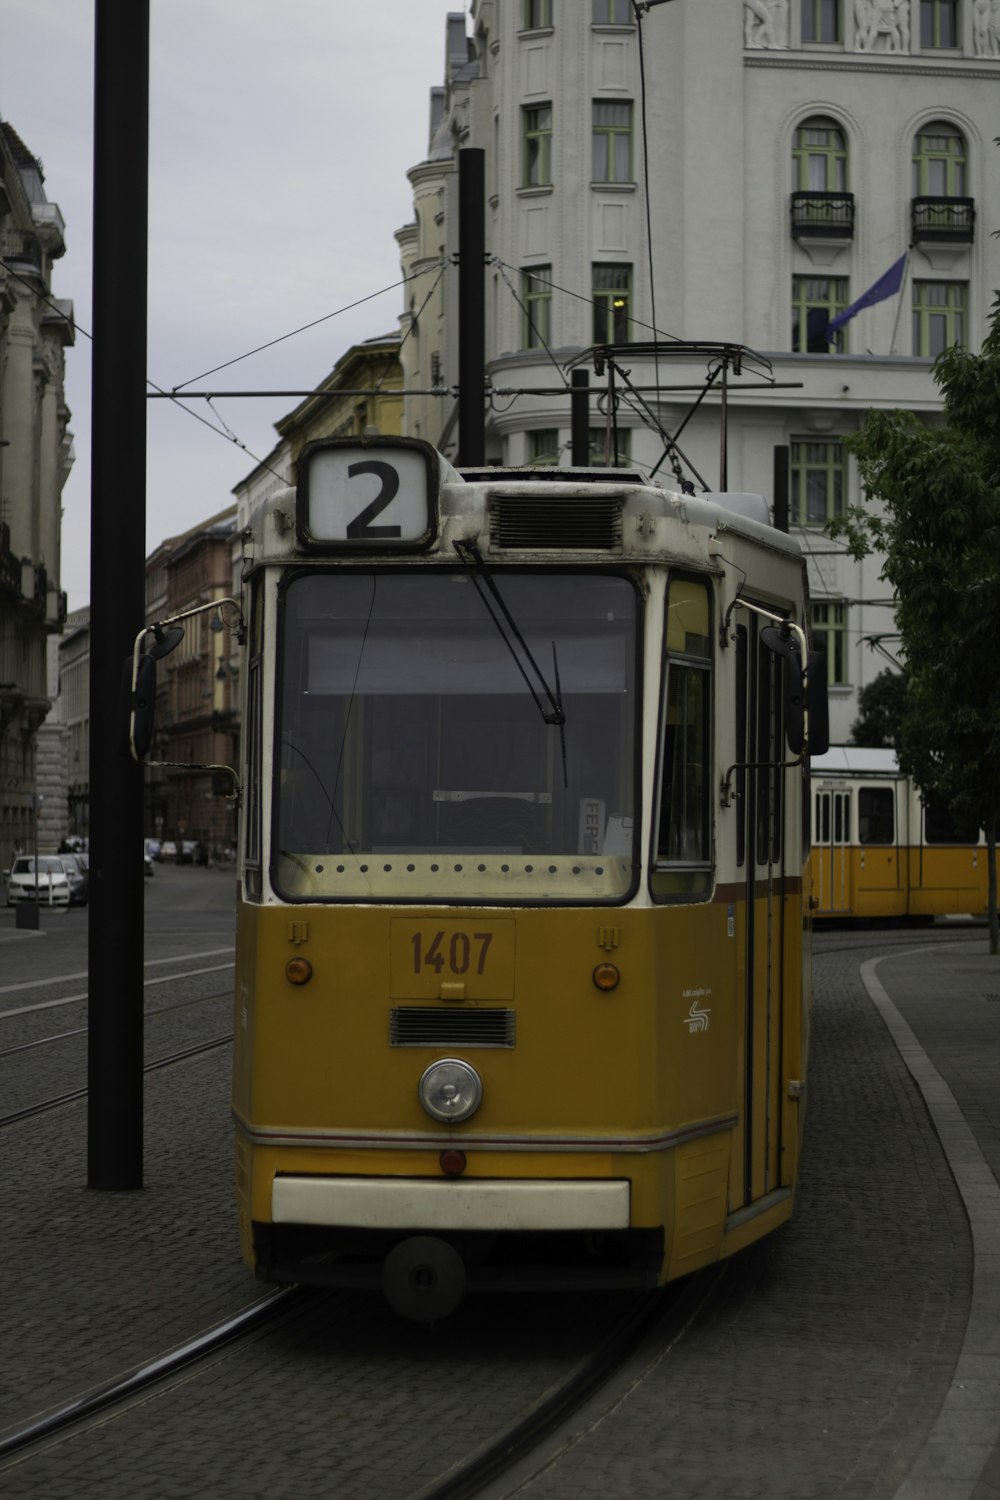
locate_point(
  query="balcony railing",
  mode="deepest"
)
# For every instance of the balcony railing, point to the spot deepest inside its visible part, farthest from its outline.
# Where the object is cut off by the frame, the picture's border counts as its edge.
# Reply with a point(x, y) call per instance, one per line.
point(943, 221)
point(823, 216)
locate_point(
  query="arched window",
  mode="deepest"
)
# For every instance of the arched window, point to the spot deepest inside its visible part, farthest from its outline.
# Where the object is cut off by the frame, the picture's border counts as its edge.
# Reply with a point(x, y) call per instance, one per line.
point(819, 157)
point(939, 161)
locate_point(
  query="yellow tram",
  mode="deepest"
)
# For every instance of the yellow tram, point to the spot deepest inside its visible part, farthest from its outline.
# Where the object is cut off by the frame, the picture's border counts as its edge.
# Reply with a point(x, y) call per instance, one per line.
point(881, 850)
point(521, 979)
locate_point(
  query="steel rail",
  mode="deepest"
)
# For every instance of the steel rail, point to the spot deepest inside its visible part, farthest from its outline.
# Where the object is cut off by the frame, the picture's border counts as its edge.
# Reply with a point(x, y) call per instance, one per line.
point(121, 1387)
point(75, 1094)
point(661, 1316)
point(163, 1010)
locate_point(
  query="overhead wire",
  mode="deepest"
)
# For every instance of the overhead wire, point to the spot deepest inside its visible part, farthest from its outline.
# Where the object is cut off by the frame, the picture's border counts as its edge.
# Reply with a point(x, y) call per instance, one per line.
point(503, 269)
point(412, 324)
point(348, 307)
point(645, 176)
point(224, 431)
point(580, 297)
point(78, 328)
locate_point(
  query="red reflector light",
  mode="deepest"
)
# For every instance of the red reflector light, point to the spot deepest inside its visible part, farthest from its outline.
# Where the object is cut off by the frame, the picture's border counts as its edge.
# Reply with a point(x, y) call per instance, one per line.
point(452, 1163)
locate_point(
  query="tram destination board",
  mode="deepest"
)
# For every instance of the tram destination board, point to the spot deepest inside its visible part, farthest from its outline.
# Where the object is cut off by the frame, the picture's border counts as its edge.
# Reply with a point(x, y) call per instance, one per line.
point(359, 496)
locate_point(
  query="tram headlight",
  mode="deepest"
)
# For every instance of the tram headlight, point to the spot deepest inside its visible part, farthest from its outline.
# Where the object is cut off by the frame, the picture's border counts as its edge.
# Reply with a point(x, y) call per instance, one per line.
point(450, 1090)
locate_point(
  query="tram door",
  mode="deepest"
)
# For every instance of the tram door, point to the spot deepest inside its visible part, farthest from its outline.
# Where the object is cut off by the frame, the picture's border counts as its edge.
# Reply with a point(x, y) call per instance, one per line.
point(878, 890)
point(761, 858)
point(831, 839)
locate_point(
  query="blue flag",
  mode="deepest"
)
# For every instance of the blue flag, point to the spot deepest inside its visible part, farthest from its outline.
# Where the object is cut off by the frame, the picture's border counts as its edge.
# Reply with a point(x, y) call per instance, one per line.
point(887, 285)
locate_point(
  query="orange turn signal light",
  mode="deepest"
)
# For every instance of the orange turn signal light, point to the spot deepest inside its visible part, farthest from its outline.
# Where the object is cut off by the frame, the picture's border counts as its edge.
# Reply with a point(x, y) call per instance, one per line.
point(606, 976)
point(298, 971)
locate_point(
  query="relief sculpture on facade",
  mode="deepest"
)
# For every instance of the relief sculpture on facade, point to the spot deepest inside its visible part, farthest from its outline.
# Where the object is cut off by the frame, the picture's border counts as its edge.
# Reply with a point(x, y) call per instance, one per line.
point(882, 25)
point(986, 27)
point(765, 23)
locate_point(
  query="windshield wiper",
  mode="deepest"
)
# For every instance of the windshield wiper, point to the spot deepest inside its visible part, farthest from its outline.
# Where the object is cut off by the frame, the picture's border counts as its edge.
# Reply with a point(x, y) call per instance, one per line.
point(491, 596)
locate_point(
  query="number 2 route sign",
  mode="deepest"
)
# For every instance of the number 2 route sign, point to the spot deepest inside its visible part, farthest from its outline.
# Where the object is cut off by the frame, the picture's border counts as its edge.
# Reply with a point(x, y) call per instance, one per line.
point(371, 495)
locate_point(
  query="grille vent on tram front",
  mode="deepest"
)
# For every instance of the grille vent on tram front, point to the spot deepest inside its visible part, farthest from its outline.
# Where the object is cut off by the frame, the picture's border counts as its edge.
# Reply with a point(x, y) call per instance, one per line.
point(526, 521)
point(453, 1026)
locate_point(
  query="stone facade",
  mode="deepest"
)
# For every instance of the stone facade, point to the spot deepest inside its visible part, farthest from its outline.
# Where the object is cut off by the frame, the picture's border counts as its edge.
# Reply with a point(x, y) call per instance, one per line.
point(35, 458)
point(73, 709)
point(196, 720)
point(794, 153)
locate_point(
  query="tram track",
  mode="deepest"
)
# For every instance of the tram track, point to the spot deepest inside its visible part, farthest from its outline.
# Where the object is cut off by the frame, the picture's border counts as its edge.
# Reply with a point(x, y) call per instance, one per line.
point(122, 1388)
point(655, 1322)
point(24, 986)
point(71, 1096)
point(643, 1333)
point(163, 1010)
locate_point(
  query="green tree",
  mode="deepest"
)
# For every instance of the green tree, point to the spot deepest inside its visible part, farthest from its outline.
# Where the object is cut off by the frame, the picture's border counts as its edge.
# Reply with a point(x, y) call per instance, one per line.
point(880, 711)
point(938, 525)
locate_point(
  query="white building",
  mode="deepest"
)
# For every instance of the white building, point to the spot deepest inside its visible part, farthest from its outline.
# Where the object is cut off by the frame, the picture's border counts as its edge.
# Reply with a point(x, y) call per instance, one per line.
point(794, 152)
point(35, 459)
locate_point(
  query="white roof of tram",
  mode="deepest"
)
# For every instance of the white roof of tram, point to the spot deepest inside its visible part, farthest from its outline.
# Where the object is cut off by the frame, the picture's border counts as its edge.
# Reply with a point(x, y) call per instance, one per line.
point(854, 760)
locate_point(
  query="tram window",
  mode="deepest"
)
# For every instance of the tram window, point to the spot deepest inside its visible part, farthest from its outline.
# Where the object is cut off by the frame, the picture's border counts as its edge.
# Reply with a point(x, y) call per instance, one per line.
point(822, 831)
point(876, 815)
point(770, 754)
point(942, 827)
point(682, 853)
point(252, 803)
point(406, 732)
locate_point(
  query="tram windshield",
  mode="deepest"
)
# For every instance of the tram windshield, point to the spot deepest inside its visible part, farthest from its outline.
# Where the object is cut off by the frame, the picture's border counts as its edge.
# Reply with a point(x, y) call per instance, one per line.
point(415, 764)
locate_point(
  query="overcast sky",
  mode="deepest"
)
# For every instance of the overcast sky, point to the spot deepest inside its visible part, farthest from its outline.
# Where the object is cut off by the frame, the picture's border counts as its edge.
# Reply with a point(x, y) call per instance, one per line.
point(280, 136)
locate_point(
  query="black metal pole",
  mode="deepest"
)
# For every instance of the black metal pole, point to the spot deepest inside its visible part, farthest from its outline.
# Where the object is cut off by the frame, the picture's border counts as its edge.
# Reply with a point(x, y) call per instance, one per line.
point(724, 431)
point(117, 588)
point(781, 487)
point(471, 307)
point(580, 418)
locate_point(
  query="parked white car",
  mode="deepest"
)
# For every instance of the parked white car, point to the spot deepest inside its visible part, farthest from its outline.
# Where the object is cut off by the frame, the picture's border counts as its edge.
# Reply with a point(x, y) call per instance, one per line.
point(53, 882)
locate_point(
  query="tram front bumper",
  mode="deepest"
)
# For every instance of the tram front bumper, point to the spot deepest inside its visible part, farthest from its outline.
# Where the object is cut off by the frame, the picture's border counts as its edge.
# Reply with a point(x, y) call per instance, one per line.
point(432, 1205)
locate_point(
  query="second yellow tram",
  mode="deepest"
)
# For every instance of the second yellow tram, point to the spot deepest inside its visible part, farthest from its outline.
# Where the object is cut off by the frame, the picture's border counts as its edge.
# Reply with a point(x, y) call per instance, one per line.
point(883, 851)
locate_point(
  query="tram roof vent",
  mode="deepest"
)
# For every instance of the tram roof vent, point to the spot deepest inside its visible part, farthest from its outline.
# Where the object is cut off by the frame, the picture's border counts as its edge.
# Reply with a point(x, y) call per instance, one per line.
point(580, 522)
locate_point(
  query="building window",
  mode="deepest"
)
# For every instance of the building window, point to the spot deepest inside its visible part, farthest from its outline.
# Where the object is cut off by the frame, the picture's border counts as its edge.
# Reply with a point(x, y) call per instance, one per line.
point(537, 14)
point(818, 474)
point(939, 309)
point(612, 297)
point(612, 141)
point(536, 288)
point(821, 20)
point(829, 633)
point(819, 157)
point(815, 300)
point(939, 162)
point(613, 13)
point(538, 146)
point(603, 443)
point(543, 447)
point(938, 23)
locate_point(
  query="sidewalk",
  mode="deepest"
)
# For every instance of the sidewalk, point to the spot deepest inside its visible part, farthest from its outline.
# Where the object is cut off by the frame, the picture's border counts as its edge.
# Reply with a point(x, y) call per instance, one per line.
point(942, 1008)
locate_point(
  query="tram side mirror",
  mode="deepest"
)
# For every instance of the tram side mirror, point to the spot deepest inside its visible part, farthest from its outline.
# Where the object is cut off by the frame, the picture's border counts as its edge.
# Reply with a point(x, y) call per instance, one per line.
point(786, 646)
point(142, 708)
point(142, 699)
